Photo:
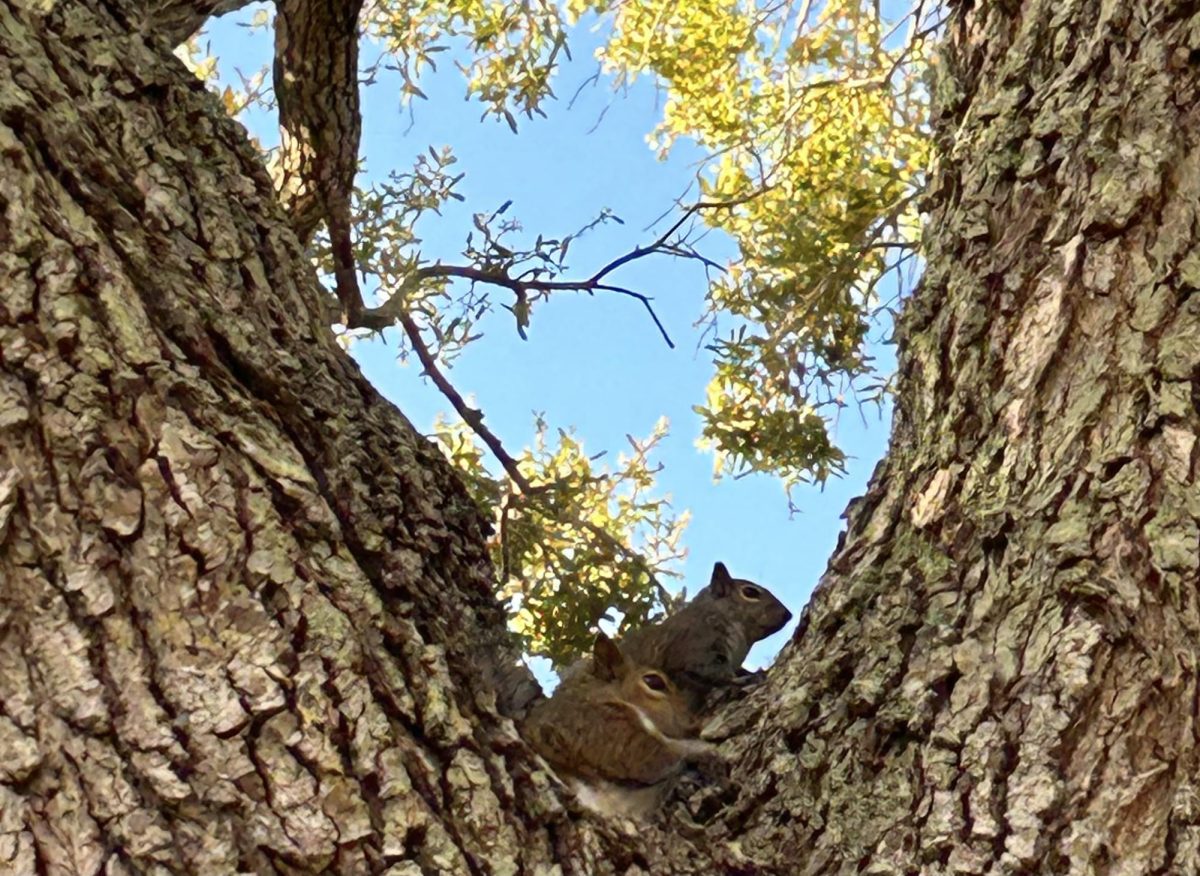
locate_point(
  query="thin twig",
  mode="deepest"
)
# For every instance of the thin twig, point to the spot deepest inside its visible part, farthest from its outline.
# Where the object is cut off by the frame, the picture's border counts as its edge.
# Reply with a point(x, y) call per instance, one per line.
point(379, 318)
point(471, 416)
point(591, 80)
point(474, 418)
point(620, 290)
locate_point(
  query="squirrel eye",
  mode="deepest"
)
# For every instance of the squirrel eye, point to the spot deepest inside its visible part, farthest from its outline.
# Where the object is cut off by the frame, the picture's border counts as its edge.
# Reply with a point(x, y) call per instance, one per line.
point(749, 591)
point(655, 682)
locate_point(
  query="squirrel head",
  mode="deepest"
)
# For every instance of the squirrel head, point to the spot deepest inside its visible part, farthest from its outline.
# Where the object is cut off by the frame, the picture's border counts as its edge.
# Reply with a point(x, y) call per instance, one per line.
point(650, 692)
point(618, 721)
point(755, 607)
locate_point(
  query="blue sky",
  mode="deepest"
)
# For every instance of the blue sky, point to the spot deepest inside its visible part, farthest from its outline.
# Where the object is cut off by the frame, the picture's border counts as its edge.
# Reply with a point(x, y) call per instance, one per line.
point(596, 363)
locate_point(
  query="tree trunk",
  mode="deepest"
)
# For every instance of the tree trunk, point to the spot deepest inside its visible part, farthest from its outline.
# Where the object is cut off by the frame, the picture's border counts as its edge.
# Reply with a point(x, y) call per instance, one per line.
point(998, 673)
point(244, 604)
point(246, 619)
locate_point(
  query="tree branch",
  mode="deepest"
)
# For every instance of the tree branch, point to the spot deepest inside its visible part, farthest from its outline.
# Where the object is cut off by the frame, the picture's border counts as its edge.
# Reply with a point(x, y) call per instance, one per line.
point(176, 20)
point(473, 417)
point(316, 84)
point(395, 310)
point(388, 313)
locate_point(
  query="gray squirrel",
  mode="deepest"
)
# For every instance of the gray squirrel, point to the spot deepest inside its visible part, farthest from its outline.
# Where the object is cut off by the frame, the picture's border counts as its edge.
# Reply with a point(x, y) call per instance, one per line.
point(617, 735)
point(702, 646)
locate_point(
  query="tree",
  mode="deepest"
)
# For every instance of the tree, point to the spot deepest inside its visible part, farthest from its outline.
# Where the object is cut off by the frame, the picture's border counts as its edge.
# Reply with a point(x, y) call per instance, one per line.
point(247, 620)
point(816, 146)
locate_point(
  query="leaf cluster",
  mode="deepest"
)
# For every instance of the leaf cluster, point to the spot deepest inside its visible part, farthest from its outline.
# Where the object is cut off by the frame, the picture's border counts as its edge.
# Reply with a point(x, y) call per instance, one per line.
point(512, 47)
point(812, 117)
point(585, 543)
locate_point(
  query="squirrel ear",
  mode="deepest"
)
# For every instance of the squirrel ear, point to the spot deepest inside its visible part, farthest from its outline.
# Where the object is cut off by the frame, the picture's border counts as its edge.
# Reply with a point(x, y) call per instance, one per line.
point(722, 581)
point(608, 659)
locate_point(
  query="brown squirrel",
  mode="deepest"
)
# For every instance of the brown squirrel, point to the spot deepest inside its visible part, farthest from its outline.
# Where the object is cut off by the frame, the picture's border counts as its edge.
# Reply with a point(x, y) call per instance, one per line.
point(616, 733)
point(702, 646)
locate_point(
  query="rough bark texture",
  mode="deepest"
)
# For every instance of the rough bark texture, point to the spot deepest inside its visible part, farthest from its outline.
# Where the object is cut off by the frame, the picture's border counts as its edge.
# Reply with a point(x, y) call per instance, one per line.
point(246, 619)
point(173, 21)
point(998, 674)
point(243, 604)
point(316, 85)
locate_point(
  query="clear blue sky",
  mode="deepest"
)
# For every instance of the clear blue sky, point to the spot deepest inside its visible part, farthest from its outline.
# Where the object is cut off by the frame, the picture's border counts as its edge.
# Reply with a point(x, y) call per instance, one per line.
point(595, 363)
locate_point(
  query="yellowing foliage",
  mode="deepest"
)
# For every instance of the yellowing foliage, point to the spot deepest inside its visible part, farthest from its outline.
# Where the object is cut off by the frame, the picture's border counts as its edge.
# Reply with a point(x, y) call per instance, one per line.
point(813, 117)
point(585, 542)
point(511, 47)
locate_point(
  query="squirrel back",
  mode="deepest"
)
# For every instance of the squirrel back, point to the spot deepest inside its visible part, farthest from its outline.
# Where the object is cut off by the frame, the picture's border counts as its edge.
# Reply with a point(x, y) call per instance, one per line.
point(704, 644)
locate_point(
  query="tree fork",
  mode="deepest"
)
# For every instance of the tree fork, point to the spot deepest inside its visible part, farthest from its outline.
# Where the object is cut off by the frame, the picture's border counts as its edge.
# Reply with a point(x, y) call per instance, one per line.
point(247, 621)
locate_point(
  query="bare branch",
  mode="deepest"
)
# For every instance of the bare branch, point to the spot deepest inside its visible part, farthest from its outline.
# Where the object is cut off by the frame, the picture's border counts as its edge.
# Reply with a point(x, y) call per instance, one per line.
point(620, 290)
point(473, 417)
point(379, 318)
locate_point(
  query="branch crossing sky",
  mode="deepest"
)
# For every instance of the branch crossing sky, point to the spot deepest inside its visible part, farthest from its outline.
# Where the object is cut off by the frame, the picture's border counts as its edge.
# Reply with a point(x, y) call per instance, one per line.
point(596, 363)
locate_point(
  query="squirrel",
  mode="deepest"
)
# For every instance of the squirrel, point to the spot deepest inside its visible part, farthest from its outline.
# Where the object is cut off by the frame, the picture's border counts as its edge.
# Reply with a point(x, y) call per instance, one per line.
point(702, 646)
point(616, 734)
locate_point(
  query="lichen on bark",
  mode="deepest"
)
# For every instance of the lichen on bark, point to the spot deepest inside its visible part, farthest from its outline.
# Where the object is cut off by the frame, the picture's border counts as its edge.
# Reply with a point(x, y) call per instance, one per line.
point(998, 674)
point(245, 605)
point(246, 616)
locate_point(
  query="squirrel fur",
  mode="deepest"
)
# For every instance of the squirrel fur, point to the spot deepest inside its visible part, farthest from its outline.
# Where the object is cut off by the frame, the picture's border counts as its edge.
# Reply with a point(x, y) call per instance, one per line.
point(616, 734)
point(702, 646)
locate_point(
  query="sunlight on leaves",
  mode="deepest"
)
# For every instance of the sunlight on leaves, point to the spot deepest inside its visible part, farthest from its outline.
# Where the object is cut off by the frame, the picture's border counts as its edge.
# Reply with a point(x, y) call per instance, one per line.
point(511, 48)
point(813, 117)
point(588, 542)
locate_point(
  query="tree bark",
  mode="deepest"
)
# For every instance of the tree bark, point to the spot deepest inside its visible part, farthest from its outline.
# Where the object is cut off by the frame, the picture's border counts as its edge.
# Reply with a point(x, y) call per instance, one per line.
point(316, 86)
point(998, 673)
point(175, 20)
point(247, 622)
point(245, 606)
